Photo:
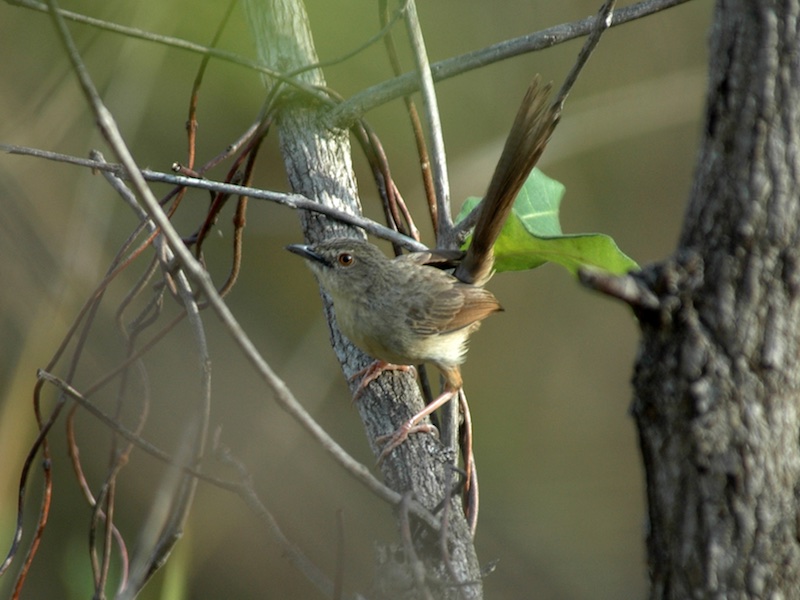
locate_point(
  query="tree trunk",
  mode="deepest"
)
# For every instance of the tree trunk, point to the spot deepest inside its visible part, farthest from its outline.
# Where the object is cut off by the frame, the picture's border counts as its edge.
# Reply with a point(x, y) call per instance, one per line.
point(318, 165)
point(717, 381)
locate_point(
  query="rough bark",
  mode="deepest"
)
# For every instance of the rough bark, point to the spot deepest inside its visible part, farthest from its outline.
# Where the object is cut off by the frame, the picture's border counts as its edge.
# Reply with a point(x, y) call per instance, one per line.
point(717, 381)
point(318, 164)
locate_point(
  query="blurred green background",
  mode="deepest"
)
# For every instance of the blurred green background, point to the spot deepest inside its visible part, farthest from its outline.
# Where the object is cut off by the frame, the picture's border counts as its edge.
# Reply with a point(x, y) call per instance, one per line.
point(562, 496)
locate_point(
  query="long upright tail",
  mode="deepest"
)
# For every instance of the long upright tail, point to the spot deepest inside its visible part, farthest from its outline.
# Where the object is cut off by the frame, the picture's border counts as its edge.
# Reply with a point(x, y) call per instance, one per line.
point(529, 135)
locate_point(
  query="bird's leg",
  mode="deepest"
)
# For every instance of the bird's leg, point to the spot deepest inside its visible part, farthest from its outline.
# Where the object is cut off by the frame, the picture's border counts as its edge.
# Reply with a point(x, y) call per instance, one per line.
point(371, 372)
point(393, 440)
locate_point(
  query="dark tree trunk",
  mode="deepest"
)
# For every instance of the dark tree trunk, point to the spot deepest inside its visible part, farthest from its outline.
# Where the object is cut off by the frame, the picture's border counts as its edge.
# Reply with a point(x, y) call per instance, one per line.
point(717, 381)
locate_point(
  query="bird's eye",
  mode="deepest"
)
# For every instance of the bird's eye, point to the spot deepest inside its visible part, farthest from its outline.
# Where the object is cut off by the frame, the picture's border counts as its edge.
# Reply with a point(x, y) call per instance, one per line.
point(346, 259)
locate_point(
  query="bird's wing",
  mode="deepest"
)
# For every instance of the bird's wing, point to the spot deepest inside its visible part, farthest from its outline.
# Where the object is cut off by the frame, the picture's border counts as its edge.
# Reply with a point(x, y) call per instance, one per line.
point(443, 304)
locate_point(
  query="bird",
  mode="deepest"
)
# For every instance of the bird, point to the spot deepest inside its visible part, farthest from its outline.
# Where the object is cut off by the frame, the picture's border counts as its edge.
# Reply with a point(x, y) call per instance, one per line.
point(422, 307)
point(403, 311)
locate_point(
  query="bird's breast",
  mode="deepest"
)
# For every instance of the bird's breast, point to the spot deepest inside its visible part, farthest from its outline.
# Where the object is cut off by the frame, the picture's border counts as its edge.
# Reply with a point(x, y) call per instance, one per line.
point(384, 334)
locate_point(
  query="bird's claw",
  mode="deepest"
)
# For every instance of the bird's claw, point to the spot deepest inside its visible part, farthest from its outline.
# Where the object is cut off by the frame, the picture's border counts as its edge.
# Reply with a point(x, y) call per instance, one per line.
point(393, 440)
point(371, 372)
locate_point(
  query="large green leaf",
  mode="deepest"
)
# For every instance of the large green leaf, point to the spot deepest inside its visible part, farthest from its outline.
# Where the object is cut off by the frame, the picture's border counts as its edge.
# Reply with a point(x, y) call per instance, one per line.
point(532, 234)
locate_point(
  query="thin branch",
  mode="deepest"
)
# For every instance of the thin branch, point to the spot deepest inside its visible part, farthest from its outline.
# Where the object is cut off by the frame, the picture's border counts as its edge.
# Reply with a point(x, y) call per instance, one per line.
point(292, 552)
point(242, 488)
point(397, 215)
point(133, 437)
point(416, 125)
point(290, 200)
point(438, 160)
point(184, 491)
point(364, 101)
point(381, 34)
point(600, 24)
point(191, 124)
point(44, 511)
point(174, 42)
point(630, 288)
point(181, 502)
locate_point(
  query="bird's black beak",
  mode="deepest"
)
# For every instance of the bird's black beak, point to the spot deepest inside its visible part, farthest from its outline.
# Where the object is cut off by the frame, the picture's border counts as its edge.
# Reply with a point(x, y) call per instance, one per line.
point(306, 252)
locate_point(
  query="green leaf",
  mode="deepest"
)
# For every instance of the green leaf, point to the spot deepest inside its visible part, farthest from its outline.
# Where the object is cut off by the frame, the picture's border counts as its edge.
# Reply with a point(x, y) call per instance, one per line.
point(532, 234)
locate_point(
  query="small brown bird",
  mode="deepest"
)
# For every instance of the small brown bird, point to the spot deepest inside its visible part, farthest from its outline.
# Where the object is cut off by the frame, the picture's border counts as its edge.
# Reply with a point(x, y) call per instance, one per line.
point(405, 311)
point(402, 311)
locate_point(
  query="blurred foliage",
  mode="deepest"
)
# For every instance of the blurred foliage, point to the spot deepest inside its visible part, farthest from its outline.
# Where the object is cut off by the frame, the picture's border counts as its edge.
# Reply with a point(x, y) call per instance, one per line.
point(562, 491)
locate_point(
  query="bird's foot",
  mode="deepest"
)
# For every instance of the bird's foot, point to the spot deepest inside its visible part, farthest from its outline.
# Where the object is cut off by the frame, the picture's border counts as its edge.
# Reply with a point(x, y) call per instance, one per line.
point(393, 440)
point(371, 372)
point(413, 425)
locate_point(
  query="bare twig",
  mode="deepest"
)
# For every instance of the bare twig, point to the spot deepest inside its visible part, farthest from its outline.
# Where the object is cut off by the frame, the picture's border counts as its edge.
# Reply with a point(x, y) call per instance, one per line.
point(627, 288)
point(132, 32)
point(243, 488)
point(39, 443)
point(416, 124)
point(184, 490)
point(82, 399)
point(366, 100)
point(295, 201)
point(296, 556)
point(441, 182)
point(191, 124)
point(397, 215)
point(372, 97)
point(600, 23)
